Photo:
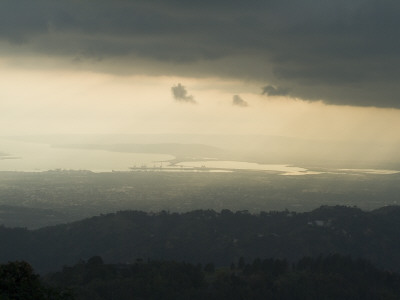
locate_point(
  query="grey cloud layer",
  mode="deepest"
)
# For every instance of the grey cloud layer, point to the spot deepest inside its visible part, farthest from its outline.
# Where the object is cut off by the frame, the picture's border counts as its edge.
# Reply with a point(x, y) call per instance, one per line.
point(275, 91)
point(341, 52)
point(180, 94)
point(239, 101)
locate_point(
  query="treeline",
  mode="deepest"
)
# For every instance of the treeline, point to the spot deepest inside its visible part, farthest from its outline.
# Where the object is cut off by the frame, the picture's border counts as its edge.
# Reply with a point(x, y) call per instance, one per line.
point(323, 277)
point(205, 235)
point(19, 282)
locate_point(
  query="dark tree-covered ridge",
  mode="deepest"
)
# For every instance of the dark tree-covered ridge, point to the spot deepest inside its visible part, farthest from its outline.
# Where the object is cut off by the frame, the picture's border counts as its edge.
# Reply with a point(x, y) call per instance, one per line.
point(207, 236)
point(328, 277)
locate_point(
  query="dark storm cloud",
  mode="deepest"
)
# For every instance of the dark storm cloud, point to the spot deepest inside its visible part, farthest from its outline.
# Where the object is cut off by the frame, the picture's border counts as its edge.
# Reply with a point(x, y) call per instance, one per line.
point(275, 91)
point(180, 94)
point(341, 52)
point(238, 101)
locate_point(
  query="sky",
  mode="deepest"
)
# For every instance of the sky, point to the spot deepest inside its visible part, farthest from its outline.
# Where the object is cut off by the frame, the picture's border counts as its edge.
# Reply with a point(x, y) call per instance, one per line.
point(307, 69)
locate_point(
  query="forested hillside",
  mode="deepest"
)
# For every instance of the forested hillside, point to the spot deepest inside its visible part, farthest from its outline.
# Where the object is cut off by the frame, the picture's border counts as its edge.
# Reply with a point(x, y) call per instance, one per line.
point(209, 236)
point(331, 277)
point(324, 277)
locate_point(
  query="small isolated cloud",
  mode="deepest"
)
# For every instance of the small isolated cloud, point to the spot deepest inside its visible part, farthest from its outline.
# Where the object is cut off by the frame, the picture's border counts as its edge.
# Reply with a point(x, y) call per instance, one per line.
point(180, 94)
point(238, 101)
point(275, 91)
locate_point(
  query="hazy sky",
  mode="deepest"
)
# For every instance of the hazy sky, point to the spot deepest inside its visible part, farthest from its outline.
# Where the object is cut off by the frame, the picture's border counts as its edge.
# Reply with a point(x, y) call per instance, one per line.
point(314, 69)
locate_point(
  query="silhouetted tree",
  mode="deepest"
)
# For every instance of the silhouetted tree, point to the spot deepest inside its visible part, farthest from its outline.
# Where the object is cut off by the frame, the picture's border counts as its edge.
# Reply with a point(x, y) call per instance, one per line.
point(19, 282)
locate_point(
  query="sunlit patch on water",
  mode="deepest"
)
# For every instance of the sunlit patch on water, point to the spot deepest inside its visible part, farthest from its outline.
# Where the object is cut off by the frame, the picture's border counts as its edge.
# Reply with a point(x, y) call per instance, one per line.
point(370, 171)
point(241, 165)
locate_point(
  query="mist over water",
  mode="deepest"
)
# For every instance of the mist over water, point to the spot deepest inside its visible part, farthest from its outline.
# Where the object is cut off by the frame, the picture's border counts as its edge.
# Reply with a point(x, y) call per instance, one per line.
point(240, 165)
point(27, 156)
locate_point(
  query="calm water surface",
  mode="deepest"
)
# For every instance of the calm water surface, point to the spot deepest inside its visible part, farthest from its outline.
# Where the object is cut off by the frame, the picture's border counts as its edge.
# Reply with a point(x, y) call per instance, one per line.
point(240, 165)
point(28, 157)
point(23, 156)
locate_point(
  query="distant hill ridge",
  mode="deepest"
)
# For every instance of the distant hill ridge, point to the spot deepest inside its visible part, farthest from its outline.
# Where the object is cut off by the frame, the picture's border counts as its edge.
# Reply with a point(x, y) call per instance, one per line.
point(204, 236)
